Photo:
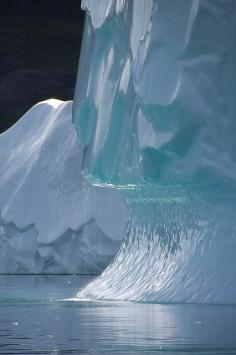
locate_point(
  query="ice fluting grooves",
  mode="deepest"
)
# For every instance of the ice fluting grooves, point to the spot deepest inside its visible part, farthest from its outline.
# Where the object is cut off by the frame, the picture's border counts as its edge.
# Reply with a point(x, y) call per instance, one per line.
point(176, 248)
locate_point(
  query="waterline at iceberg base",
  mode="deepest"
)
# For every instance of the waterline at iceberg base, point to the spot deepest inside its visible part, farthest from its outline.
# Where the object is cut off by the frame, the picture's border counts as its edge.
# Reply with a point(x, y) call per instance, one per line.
point(155, 109)
point(155, 116)
point(179, 247)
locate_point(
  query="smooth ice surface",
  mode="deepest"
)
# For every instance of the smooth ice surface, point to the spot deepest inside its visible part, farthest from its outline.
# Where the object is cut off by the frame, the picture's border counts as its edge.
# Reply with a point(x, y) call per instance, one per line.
point(155, 106)
point(51, 220)
point(155, 97)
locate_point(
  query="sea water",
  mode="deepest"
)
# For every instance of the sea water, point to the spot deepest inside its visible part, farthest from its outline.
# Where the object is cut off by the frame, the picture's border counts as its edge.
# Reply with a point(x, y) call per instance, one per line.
point(39, 315)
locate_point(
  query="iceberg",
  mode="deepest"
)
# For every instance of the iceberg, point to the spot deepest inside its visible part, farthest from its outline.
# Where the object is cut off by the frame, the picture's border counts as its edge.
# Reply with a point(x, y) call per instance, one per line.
point(51, 220)
point(155, 109)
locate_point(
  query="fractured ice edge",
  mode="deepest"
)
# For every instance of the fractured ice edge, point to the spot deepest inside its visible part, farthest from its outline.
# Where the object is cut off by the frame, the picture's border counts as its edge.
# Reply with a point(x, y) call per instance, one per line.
point(155, 107)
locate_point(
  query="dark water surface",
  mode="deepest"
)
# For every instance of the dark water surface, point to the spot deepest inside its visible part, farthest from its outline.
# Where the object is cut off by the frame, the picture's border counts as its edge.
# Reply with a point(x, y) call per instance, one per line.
point(38, 317)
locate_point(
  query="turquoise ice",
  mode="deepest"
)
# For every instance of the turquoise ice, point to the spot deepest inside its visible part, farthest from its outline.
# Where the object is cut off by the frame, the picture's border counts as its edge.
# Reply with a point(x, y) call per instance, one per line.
point(155, 107)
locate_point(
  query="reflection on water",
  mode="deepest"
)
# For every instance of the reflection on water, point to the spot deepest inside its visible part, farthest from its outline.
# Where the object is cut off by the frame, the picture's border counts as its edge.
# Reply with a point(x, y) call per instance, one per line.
point(36, 317)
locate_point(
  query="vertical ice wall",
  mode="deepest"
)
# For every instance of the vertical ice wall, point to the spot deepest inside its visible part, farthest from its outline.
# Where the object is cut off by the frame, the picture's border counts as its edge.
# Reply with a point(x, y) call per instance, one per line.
point(155, 107)
point(155, 95)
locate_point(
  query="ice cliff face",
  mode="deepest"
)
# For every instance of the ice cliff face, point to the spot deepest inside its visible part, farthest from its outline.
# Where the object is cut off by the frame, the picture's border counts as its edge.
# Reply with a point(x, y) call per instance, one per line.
point(51, 220)
point(155, 107)
point(157, 86)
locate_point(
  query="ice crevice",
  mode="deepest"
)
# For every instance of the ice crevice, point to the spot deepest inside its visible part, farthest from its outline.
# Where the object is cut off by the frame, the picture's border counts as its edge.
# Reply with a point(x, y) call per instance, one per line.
point(86, 250)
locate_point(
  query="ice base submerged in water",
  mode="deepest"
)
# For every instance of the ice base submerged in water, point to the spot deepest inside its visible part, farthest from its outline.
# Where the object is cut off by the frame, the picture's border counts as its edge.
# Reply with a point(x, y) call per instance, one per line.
point(155, 107)
point(179, 246)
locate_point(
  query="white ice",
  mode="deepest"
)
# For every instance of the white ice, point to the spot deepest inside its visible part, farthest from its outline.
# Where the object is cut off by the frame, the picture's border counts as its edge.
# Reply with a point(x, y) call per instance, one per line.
point(51, 221)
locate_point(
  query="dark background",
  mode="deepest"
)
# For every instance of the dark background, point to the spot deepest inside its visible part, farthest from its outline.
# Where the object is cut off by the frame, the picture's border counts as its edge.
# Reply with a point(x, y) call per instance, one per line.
point(39, 52)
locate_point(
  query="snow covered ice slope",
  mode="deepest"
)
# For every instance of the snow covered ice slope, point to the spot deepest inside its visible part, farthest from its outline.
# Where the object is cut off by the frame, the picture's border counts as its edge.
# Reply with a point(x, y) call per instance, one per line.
point(51, 220)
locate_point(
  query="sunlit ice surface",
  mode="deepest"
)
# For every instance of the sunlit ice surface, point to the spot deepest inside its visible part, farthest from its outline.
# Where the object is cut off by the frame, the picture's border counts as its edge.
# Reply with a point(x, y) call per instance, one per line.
point(38, 315)
point(155, 110)
point(64, 225)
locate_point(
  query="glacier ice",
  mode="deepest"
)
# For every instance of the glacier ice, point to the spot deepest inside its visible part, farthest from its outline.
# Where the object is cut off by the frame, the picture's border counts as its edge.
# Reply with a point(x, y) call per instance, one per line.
point(51, 220)
point(155, 96)
point(155, 108)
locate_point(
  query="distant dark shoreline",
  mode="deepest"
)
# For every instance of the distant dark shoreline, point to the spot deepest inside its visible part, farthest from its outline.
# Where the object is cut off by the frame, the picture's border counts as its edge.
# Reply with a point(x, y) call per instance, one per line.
point(39, 50)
